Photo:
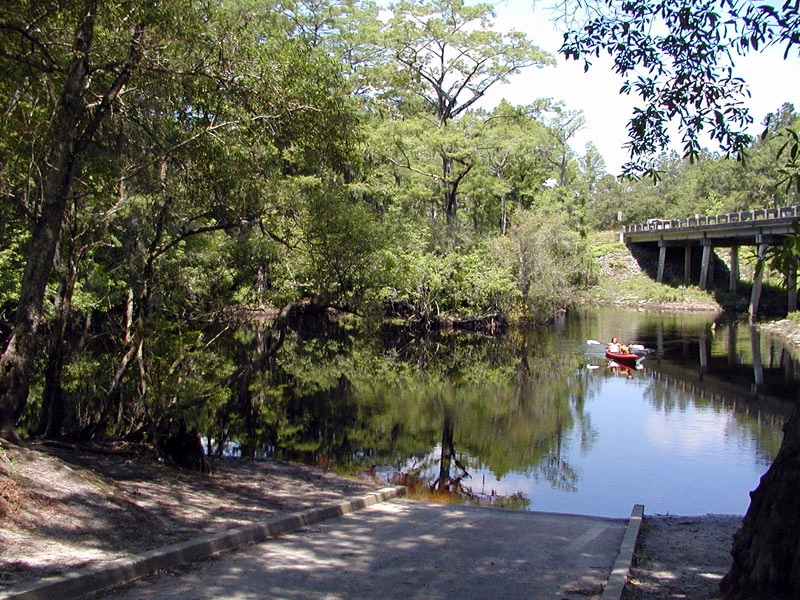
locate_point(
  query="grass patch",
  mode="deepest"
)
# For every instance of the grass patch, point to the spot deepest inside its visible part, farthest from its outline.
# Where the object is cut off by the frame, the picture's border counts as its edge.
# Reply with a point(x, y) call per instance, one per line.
point(605, 243)
point(639, 289)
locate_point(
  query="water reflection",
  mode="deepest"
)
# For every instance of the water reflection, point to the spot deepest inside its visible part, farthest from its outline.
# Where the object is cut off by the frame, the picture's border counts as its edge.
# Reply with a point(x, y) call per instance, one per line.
point(726, 359)
point(537, 419)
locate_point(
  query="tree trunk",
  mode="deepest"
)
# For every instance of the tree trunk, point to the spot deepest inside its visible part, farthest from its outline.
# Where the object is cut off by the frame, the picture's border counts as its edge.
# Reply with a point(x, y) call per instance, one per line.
point(766, 550)
point(53, 411)
point(62, 167)
point(449, 188)
point(113, 400)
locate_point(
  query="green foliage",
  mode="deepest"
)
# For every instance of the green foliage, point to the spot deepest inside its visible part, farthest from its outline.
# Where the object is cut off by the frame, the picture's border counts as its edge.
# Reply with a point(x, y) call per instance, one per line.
point(336, 250)
point(517, 153)
point(640, 290)
point(454, 282)
point(550, 261)
point(603, 243)
point(480, 284)
point(11, 264)
point(784, 258)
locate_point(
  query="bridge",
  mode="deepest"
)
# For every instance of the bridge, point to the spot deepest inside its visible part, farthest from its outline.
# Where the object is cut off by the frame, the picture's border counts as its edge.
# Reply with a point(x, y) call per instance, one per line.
point(760, 228)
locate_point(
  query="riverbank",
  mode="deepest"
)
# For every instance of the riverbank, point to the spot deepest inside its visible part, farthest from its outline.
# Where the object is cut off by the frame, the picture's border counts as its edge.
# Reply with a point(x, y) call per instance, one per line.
point(623, 282)
point(788, 329)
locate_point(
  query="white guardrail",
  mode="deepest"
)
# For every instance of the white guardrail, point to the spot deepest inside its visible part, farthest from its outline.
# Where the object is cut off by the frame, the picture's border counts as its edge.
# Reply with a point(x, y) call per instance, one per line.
point(761, 215)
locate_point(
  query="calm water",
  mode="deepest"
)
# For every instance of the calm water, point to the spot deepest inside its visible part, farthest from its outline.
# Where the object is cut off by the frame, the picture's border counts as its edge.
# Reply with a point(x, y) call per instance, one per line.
point(693, 459)
point(542, 417)
point(683, 434)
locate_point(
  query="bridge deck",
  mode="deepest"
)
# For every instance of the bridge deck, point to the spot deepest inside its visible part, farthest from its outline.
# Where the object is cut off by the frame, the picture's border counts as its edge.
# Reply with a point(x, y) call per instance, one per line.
point(746, 228)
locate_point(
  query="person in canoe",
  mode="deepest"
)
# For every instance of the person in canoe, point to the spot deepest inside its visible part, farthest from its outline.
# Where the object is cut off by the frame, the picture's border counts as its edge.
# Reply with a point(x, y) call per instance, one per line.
point(614, 347)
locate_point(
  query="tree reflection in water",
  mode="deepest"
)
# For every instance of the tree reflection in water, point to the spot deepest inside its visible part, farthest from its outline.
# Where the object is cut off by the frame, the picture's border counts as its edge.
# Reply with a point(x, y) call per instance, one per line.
point(435, 408)
point(458, 416)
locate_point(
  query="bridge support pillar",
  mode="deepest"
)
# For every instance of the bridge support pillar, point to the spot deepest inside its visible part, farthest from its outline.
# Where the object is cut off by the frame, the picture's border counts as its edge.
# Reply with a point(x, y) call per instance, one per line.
point(791, 285)
point(710, 276)
point(687, 265)
point(755, 296)
point(758, 366)
point(705, 263)
point(662, 260)
point(734, 269)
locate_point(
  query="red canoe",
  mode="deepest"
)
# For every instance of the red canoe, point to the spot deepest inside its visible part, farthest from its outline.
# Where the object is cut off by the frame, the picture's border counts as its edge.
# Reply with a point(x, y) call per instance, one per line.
point(622, 358)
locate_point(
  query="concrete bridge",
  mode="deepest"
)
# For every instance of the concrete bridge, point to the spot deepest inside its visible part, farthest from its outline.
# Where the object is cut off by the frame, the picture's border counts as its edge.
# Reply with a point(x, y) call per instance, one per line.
point(760, 228)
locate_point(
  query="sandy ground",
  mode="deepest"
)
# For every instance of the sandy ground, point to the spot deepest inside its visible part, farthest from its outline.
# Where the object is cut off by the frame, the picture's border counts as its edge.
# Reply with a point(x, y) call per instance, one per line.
point(681, 557)
point(64, 507)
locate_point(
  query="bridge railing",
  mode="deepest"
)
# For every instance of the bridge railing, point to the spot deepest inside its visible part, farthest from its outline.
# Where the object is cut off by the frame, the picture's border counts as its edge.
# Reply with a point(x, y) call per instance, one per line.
point(761, 214)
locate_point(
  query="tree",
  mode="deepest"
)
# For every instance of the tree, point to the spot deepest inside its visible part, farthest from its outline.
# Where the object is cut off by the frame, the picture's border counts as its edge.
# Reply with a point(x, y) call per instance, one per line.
point(412, 145)
point(684, 50)
point(562, 124)
point(86, 95)
point(512, 163)
point(547, 257)
point(135, 133)
point(443, 57)
point(520, 154)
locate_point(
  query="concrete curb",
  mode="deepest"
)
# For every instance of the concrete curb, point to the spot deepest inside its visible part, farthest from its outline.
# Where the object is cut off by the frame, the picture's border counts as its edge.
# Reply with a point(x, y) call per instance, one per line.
point(622, 566)
point(97, 578)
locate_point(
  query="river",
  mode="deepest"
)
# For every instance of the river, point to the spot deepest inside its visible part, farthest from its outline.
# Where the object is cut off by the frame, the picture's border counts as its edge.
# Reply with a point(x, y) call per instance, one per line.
point(540, 420)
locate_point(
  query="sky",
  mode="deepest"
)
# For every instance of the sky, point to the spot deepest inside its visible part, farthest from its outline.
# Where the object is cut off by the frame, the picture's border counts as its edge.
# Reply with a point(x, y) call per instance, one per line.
point(771, 80)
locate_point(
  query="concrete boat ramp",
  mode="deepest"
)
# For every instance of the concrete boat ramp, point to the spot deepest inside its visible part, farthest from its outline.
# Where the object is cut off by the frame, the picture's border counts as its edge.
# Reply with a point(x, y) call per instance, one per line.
point(379, 546)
